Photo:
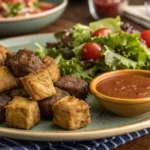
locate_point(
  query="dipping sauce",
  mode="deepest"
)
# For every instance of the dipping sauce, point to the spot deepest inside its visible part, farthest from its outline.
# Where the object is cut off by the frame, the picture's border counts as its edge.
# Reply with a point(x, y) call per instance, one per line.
point(128, 86)
point(107, 8)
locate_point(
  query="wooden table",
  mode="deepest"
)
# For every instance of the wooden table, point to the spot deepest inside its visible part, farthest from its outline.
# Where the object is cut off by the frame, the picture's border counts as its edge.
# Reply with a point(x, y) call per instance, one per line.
point(77, 11)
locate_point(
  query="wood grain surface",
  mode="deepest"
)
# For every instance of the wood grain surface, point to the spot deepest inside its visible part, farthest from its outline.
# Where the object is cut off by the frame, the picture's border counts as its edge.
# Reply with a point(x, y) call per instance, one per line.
point(78, 12)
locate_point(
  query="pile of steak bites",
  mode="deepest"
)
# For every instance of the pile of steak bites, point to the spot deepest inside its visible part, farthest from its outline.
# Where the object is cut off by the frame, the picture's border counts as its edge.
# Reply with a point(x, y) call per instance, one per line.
point(31, 89)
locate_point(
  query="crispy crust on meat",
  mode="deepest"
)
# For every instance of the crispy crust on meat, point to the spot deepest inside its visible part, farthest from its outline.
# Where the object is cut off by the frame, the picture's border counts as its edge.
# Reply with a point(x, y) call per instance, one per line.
point(71, 113)
point(7, 80)
point(39, 85)
point(22, 113)
point(3, 52)
point(52, 68)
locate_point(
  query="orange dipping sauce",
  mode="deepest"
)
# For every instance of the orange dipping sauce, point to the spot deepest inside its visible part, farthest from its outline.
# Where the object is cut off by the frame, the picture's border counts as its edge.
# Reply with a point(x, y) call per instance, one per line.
point(128, 86)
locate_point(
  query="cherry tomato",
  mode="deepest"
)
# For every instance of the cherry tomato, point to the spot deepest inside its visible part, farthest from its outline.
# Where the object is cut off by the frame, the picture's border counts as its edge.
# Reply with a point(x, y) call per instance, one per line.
point(145, 35)
point(102, 32)
point(46, 6)
point(91, 50)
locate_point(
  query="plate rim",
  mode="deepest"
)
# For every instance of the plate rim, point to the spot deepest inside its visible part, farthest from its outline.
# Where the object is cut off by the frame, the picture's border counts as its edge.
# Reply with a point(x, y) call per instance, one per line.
point(25, 36)
point(88, 134)
point(74, 135)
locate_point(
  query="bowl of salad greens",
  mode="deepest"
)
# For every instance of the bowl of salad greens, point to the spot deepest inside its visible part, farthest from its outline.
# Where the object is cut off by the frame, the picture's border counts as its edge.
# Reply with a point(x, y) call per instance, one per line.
point(25, 16)
point(105, 45)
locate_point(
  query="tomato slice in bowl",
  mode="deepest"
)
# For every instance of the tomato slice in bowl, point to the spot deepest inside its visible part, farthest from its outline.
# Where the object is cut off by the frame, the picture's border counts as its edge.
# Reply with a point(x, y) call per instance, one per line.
point(46, 6)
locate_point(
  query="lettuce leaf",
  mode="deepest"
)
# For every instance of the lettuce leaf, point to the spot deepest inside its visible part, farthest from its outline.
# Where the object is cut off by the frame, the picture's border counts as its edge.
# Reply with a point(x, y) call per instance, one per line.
point(114, 61)
point(53, 52)
point(71, 66)
point(126, 45)
point(111, 23)
point(80, 34)
point(11, 10)
point(74, 67)
point(40, 51)
point(77, 51)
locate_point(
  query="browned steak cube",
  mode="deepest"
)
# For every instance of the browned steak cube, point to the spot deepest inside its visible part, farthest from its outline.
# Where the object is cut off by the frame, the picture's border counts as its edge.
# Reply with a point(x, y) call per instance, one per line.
point(74, 86)
point(46, 104)
point(24, 62)
point(3, 52)
point(18, 92)
point(4, 99)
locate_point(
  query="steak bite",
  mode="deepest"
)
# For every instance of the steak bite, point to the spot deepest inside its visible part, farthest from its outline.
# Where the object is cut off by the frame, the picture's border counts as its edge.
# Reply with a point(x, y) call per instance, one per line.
point(74, 86)
point(71, 113)
point(4, 99)
point(46, 104)
point(39, 85)
point(52, 68)
point(7, 80)
point(18, 92)
point(24, 62)
point(3, 55)
point(22, 113)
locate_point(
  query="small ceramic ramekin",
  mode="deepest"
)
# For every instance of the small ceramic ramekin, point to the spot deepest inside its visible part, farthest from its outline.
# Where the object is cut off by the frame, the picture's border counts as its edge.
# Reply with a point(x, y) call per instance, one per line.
point(121, 106)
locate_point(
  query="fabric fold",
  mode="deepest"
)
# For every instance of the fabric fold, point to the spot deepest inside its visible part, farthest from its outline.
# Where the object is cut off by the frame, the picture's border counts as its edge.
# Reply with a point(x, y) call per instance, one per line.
point(100, 144)
point(137, 14)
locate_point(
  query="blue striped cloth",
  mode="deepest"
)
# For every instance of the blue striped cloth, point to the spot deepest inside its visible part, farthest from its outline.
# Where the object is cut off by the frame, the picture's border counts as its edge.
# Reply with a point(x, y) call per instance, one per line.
point(102, 144)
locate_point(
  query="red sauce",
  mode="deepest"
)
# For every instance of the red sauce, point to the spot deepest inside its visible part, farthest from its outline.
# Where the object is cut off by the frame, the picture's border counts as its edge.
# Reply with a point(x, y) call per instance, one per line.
point(126, 86)
point(107, 8)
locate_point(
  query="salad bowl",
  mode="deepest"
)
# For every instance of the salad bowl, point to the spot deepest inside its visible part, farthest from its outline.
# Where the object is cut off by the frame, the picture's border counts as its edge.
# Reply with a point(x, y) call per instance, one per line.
point(22, 25)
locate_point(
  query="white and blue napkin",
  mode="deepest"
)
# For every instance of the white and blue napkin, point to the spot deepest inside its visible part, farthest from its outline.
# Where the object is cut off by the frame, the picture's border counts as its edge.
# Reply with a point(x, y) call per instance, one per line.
point(101, 144)
point(138, 14)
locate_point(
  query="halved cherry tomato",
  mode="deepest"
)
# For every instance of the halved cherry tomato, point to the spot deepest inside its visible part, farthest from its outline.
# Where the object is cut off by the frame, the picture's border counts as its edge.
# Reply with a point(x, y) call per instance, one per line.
point(92, 50)
point(46, 6)
point(145, 35)
point(102, 32)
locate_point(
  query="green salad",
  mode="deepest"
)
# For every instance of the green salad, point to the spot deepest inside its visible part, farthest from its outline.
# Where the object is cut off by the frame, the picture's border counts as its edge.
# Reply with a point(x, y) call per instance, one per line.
point(86, 51)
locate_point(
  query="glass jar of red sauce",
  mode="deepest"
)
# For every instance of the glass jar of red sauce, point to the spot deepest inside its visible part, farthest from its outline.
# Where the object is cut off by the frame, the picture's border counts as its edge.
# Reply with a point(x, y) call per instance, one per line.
point(106, 8)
